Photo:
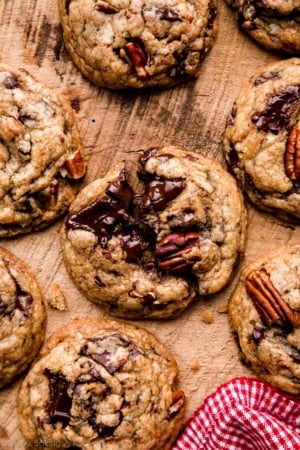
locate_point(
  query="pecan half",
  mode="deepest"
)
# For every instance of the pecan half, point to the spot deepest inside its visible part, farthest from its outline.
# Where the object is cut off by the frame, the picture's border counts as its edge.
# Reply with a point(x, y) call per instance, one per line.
point(75, 165)
point(178, 252)
point(138, 57)
point(292, 154)
point(268, 301)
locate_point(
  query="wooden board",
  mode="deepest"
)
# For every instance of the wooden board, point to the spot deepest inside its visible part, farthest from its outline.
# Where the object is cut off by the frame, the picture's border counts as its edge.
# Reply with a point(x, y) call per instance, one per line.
point(111, 125)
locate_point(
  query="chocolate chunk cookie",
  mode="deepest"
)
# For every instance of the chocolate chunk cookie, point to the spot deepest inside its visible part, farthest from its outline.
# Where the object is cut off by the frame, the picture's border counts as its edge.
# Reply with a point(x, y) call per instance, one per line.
point(40, 154)
point(100, 383)
point(150, 252)
point(22, 317)
point(264, 312)
point(262, 138)
point(138, 44)
point(275, 24)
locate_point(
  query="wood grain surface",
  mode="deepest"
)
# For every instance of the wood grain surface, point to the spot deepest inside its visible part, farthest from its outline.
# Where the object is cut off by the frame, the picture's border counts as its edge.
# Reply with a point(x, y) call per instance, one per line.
point(112, 126)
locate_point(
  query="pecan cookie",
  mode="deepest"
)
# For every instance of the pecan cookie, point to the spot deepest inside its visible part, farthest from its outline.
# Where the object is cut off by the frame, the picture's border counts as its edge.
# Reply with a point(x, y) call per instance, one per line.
point(264, 312)
point(22, 317)
point(262, 139)
point(275, 24)
point(138, 44)
point(101, 383)
point(150, 252)
point(40, 154)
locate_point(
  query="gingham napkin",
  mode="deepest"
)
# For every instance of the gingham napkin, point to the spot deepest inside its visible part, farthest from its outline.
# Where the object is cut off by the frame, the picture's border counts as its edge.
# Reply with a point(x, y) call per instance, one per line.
point(243, 414)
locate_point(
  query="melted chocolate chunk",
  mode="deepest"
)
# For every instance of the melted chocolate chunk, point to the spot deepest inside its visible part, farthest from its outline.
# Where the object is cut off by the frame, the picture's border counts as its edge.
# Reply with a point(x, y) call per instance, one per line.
point(11, 82)
point(296, 357)
point(60, 402)
point(103, 215)
point(131, 241)
point(99, 282)
point(166, 13)
point(179, 69)
point(106, 358)
point(147, 155)
point(149, 298)
point(232, 158)
point(24, 118)
point(23, 299)
point(278, 111)
point(159, 191)
point(266, 77)
point(103, 430)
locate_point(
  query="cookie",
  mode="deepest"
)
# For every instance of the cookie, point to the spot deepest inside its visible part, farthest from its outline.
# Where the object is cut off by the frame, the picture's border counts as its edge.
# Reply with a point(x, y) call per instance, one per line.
point(148, 251)
point(264, 313)
point(101, 383)
point(261, 140)
point(22, 317)
point(138, 44)
point(40, 154)
point(275, 24)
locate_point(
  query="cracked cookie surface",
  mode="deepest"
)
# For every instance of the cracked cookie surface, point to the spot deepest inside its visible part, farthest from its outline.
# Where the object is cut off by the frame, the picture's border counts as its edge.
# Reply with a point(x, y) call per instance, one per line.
point(101, 383)
point(262, 139)
point(150, 252)
point(264, 312)
point(275, 24)
point(22, 317)
point(40, 154)
point(121, 44)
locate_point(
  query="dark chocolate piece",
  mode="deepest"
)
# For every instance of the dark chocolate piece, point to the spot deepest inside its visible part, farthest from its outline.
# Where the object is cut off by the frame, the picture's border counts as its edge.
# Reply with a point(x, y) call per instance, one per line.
point(103, 215)
point(11, 82)
point(265, 77)
point(60, 402)
point(279, 108)
point(159, 191)
point(104, 357)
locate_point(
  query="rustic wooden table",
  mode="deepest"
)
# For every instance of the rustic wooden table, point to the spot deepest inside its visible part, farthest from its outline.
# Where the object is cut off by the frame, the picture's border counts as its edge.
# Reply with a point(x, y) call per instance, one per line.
point(111, 125)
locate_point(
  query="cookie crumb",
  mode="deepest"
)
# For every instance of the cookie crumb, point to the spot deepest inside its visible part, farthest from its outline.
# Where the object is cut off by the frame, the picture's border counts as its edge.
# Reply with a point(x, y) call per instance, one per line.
point(223, 308)
point(195, 365)
point(56, 298)
point(207, 317)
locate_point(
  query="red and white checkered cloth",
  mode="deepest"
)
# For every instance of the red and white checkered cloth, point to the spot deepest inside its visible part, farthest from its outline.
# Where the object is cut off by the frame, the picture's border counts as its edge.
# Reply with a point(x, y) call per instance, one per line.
point(243, 414)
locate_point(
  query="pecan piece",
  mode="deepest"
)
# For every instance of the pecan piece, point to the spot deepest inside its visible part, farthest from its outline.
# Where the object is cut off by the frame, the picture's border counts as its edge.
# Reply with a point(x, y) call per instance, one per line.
point(268, 301)
point(178, 252)
point(178, 399)
point(138, 57)
point(292, 154)
point(10, 128)
point(75, 165)
point(104, 7)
